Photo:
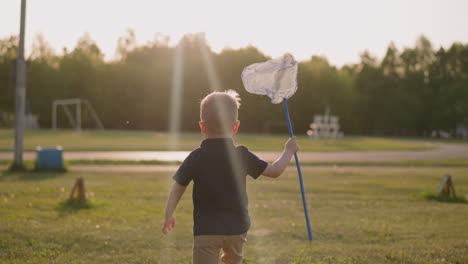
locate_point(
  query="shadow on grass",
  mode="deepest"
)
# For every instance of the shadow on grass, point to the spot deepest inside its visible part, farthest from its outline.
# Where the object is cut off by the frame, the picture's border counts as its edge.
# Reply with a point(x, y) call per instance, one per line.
point(123, 162)
point(444, 198)
point(69, 207)
point(29, 175)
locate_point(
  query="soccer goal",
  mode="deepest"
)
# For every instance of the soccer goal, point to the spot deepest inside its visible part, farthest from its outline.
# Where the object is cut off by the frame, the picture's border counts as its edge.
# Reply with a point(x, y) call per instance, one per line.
point(74, 120)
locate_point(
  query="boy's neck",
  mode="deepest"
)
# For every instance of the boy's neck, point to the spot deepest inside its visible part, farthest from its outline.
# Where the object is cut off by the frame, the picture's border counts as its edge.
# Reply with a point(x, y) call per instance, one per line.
point(208, 136)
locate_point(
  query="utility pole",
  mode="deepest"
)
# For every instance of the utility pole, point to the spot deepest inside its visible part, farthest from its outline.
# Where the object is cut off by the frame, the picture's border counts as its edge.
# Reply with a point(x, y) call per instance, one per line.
point(20, 96)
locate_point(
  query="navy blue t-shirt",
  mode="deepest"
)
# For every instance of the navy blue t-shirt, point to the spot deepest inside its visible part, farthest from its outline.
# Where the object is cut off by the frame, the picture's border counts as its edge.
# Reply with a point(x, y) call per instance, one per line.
point(218, 170)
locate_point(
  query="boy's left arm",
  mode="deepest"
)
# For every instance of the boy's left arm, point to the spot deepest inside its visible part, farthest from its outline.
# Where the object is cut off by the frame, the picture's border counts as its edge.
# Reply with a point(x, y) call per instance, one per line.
point(175, 194)
point(277, 168)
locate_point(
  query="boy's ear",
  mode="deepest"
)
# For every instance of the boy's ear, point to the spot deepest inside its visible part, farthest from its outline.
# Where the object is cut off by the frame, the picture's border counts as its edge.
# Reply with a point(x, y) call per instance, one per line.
point(236, 127)
point(202, 127)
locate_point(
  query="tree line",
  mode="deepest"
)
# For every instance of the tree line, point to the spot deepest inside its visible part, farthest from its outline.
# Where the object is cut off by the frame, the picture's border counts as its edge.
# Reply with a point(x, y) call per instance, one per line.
point(409, 92)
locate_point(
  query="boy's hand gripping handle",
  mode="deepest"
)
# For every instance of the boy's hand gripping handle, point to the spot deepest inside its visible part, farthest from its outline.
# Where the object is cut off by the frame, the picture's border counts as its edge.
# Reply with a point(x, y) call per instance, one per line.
point(298, 166)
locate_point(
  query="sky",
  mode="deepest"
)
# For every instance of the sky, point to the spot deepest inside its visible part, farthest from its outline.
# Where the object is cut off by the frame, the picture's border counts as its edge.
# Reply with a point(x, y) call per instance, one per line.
point(339, 30)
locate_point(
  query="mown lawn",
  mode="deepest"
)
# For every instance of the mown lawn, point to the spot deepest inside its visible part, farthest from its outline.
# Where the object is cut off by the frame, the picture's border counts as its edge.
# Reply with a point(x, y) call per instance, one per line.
point(29, 164)
point(139, 140)
point(359, 215)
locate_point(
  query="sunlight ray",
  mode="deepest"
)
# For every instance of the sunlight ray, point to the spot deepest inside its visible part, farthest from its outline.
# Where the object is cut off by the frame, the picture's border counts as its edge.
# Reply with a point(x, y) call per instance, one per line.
point(176, 97)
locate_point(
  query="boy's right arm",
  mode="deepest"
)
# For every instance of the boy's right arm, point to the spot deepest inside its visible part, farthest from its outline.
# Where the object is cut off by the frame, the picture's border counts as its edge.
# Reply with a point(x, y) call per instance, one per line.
point(277, 168)
point(176, 193)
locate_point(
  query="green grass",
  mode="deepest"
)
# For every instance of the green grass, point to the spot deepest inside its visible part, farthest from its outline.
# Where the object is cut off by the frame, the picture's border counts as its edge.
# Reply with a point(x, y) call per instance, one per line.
point(407, 163)
point(450, 140)
point(444, 198)
point(139, 140)
point(29, 164)
point(123, 162)
point(364, 215)
point(75, 205)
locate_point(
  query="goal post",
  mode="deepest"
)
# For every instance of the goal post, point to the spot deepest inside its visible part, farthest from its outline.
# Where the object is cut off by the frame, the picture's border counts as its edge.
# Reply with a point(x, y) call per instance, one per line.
point(74, 121)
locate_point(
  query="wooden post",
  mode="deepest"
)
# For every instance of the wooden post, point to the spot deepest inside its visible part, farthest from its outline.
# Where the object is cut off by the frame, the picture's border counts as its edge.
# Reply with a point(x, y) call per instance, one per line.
point(79, 187)
point(446, 187)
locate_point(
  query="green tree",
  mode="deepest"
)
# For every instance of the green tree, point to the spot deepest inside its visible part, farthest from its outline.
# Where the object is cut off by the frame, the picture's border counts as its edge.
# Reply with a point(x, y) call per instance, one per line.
point(8, 53)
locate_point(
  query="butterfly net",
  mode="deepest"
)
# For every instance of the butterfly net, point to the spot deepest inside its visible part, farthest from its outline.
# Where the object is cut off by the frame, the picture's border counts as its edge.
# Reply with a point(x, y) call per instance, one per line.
point(275, 78)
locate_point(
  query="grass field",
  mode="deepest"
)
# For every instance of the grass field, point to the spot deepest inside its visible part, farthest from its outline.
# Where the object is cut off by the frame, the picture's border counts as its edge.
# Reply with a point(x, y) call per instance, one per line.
point(138, 140)
point(364, 215)
point(29, 164)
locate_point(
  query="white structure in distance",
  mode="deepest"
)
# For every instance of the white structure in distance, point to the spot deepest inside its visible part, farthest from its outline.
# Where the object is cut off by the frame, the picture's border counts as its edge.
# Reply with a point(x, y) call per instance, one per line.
point(74, 122)
point(325, 126)
point(461, 131)
point(31, 121)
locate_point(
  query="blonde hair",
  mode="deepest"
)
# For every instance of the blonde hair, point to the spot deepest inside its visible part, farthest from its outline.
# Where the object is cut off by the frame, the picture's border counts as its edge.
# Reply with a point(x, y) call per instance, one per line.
point(219, 111)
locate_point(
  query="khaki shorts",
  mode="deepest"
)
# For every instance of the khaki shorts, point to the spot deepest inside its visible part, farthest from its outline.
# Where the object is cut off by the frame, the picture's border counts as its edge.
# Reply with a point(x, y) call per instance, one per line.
point(206, 249)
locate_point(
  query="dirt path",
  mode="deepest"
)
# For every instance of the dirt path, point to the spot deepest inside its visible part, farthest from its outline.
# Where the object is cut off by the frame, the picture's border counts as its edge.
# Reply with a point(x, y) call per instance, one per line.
point(442, 151)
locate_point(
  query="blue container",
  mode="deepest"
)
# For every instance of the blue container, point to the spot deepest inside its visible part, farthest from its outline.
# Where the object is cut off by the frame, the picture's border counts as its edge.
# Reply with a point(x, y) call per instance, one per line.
point(49, 158)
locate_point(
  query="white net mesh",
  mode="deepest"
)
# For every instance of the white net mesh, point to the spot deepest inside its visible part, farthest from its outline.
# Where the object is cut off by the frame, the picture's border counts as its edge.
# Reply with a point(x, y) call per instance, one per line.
point(275, 78)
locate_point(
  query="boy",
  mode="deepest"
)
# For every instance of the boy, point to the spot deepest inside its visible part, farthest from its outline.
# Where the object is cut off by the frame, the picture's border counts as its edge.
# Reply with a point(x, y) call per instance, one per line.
point(218, 169)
